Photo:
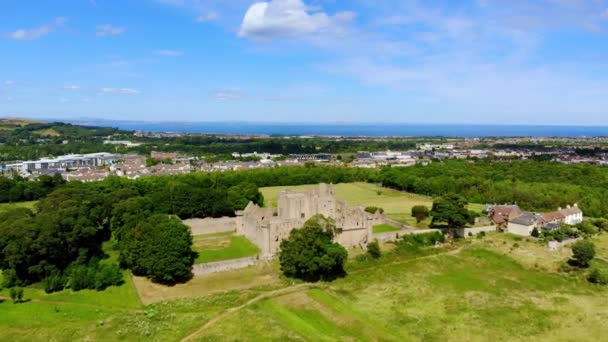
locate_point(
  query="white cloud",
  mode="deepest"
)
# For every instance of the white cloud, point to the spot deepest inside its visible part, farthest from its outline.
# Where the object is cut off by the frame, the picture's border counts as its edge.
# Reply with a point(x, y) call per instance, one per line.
point(109, 30)
point(8, 83)
point(123, 91)
point(227, 94)
point(71, 87)
point(171, 53)
point(37, 32)
point(209, 16)
point(280, 18)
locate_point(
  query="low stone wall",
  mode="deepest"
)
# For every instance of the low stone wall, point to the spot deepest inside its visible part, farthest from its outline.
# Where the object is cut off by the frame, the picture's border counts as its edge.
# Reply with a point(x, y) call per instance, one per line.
point(211, 225)
point(470, 232)
point(394, 236)
point(555, 245)
point(222, 266)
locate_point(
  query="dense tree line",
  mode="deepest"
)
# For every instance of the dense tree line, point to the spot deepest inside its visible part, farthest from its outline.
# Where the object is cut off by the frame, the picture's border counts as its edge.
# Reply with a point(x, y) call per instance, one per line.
point(60, 242)
point(18, 189)
point(207, 144)
point(68, 229)
point(38, 140)
point(540, 186)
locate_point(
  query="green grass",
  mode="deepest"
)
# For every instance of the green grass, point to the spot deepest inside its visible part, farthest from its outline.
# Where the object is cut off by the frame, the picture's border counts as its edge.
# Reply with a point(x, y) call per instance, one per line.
point(10, 206)
point(223, 248)
point(475, 295)
point(383, 228)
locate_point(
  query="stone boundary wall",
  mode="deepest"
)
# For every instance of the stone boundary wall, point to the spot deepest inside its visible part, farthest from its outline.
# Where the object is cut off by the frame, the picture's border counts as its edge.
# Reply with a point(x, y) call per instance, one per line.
point(397, 224)
point(555, 245)
point(222, 266)
point(464, 232)
point(211, 225)
point(393, 236)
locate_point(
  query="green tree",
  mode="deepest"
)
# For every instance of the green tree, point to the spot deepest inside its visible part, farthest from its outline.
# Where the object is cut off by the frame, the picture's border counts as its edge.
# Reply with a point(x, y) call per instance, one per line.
point(583, 251)
point(310, 254)
point(451, 210)
point(373, 210)
point(160, 247)
point(420, 212)
point(535, 233)
point(373, 249)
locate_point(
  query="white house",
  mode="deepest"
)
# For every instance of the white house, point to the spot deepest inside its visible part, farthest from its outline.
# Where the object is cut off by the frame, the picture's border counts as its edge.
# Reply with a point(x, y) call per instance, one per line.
point(573, 214)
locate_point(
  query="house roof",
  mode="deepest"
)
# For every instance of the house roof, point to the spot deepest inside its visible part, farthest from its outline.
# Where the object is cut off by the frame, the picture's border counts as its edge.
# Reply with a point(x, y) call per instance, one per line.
point(571, 211)
point(502, 212)
point(553, 216)
point(527, 219)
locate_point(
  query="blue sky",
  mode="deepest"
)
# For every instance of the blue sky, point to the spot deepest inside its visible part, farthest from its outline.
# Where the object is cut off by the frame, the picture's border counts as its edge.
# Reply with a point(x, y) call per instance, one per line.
point(477, 61)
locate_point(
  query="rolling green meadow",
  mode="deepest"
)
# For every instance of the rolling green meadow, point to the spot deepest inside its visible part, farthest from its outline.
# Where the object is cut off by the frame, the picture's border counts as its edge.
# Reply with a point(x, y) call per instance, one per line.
point(472, 290)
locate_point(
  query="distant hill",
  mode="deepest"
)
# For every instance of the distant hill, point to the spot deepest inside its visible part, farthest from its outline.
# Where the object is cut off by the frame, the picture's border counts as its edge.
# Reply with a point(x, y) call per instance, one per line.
point(10, 123)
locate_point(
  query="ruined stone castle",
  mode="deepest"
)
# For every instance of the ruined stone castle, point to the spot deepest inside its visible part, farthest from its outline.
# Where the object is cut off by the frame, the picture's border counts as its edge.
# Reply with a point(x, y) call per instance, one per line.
point(266, 227)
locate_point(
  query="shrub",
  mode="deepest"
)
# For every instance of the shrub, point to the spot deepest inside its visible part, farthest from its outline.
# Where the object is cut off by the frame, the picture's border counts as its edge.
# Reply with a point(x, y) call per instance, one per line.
point(16, 294)
point(81, 277)
point(583, 252)
point(481, 235)
point(599, 276)
point(587, 228)
point(373, 210)
point(420, 240)
point(53, 283)
point(107, 275)
point(535, 233)
point(373, 249)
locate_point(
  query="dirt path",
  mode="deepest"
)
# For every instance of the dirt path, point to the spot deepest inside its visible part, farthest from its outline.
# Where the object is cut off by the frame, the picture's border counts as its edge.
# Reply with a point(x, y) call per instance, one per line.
point(296, 288)
point(228, 312)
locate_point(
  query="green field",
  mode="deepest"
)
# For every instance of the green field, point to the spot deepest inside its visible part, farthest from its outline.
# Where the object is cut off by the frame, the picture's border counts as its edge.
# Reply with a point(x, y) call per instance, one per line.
point(475, 290)
point(383, 228)
point(223, 247)
point(9, 206)
point(476, 294)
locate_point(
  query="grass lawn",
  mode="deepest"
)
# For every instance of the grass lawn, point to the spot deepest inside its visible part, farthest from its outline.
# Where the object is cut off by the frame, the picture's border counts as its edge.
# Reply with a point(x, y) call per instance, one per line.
point(223, 247)
point(9, 206)
point(477, 294)
point(481, 291)
point(397, 205)
point(383, 228)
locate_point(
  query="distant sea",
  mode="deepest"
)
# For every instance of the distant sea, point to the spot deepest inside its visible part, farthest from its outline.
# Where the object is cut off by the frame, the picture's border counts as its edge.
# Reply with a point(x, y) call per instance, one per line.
point(353, 130)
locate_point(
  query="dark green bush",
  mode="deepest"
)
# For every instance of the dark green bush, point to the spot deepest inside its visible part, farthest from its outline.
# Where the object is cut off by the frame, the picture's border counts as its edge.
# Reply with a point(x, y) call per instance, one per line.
point(373, 249)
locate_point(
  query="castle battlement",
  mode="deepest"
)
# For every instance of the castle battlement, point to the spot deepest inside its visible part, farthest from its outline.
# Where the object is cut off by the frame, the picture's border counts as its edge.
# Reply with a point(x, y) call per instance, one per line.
point(267, 227)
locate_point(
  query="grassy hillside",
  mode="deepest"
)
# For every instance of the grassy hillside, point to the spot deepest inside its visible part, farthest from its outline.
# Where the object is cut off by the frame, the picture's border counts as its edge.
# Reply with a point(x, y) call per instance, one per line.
point(473, 290)
point(476, 294)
